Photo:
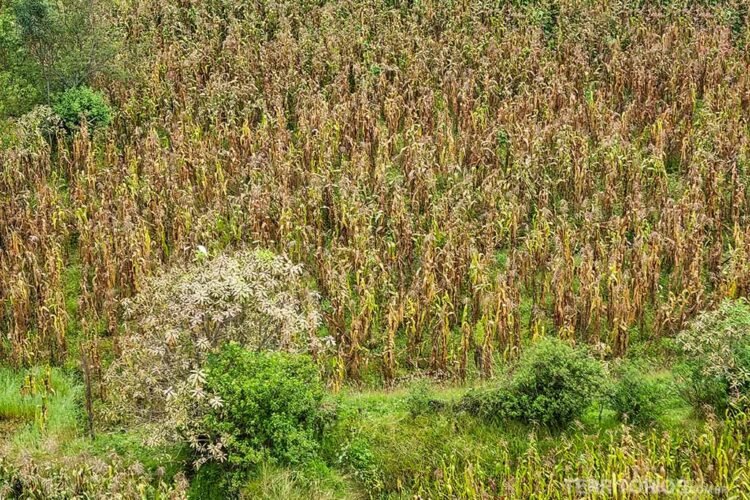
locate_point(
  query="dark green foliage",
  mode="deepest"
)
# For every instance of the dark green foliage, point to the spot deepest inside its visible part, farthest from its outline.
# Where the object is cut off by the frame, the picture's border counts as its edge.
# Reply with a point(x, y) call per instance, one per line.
point(83, 103)
point(706, 394)
point(635, 398)
point(34, 20)
point(357, 457)
point(552, 385)
point(18, 88)
point(493, 405)
point(272, 407)
point(48, 47)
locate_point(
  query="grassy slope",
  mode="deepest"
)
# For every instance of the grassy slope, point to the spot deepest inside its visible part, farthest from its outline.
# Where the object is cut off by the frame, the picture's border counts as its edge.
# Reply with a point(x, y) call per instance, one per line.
point(47, 428)
point(376, 448)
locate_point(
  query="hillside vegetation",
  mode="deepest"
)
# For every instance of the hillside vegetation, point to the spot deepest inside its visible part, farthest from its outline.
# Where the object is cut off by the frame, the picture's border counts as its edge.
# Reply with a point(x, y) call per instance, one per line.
point(500, 248)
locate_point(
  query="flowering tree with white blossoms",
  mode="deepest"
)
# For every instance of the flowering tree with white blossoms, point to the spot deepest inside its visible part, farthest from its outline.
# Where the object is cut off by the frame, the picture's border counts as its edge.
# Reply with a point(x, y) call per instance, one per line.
point(255, 298)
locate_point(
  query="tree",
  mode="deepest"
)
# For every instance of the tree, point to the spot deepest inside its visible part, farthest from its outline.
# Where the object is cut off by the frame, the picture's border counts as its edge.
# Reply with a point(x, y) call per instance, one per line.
point(48, 47)
point(18, 88)
point(37, 29)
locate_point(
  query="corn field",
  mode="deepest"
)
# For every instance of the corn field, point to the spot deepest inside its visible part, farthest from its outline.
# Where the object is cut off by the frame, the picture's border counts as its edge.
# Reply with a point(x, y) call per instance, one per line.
point(455, 176)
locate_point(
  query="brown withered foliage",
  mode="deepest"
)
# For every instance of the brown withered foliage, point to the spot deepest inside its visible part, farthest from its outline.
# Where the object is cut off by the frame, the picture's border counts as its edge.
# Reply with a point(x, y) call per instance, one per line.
point(456, 175)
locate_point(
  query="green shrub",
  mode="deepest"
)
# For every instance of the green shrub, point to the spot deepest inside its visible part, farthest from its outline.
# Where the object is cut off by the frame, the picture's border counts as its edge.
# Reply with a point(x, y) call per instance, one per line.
point(637, 399)
point(50, 46)
point(19, 89)
point(83, 103)
point(494, 405)
point(269, 407)
point(715, 374)
point(552, 385)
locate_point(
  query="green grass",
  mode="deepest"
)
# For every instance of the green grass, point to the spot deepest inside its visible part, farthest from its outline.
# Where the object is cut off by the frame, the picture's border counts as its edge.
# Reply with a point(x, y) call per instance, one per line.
point(380, 444)
point(26, 430)
point(12, 406)
point(375, 449)
point(34, 407)
point(37, 411)
point(316, 481)
point(392, 454)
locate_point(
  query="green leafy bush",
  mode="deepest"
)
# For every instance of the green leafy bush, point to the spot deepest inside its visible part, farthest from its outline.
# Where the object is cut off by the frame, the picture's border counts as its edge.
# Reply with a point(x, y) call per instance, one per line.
point(552, 385)
point(19, 89)
point(268, 407)
point(494, 405)
point(715, 375)
point(83, 103)
point(637, 399)
point(210, 483)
